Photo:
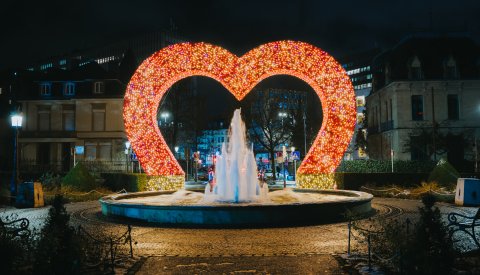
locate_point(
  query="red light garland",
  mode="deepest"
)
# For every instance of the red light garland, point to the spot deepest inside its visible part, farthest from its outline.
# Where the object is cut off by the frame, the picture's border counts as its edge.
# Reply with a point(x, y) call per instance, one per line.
point(239, 75)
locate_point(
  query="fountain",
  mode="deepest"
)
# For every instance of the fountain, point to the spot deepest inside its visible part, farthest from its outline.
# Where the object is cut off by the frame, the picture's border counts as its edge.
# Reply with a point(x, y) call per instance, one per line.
point(236, 170)
point(237, 198)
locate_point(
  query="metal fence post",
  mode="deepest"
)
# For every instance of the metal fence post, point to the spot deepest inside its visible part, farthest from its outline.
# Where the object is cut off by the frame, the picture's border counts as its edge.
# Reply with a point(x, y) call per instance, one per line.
point(112, 256)
point(349, 234)
point(130, 240)
point(369, 253)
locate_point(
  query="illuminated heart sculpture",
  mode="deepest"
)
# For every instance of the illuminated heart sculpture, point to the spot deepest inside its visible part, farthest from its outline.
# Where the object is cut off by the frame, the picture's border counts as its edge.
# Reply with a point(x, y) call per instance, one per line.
point(239, 75)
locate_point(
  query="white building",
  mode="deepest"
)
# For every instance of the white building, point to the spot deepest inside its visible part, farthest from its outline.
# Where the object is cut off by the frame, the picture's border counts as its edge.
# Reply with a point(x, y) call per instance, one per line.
point(425, 102)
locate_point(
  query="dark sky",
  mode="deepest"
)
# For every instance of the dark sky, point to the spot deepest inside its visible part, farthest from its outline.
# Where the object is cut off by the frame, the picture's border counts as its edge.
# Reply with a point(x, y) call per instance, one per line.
point(32, 30)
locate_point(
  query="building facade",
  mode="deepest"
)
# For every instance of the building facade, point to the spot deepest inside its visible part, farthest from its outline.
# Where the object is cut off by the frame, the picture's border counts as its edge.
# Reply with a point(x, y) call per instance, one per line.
point(358, 67)
point(64, 111)
point(425, 103)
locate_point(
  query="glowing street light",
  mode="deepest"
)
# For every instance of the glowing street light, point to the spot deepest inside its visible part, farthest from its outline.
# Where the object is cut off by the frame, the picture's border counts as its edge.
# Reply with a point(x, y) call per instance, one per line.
point(282, 115)
point(127, 152)
point(165, 115)
point(17, 120)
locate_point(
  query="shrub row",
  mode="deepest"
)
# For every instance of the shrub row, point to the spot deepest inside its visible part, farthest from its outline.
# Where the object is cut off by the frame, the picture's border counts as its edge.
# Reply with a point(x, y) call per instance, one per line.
point(383, 166)
point(353, 181)
point(129, 181)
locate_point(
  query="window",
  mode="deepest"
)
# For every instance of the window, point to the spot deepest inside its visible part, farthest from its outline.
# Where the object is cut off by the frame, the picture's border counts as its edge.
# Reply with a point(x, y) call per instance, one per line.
point(360, 118)
point(450, 68)
point(43, 117)
point(68, 115)
point(418, 148)
point(69, 89)
point(415, 69)
point(453, 107)
point(417, 107)
point(105, 151)
point(98, 87)
point(45, 89)
point(90, 151)
point(98, 116)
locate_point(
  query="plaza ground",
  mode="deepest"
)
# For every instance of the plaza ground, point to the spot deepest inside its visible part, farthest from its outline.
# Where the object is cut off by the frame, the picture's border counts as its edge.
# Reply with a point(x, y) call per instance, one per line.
point(286, 250)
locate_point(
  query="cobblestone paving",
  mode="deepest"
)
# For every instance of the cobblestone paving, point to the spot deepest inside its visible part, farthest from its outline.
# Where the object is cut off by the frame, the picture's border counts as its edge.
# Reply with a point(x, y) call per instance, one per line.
point(180, 248)
point(305, 264)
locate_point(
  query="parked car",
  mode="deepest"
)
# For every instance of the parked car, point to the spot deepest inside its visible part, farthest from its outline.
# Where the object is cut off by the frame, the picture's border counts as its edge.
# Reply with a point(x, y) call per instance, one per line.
point(268, 173)
point(203, 174)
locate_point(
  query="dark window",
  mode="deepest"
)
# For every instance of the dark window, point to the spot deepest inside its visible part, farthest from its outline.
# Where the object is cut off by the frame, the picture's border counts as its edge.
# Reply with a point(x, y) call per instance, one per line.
point(417, 107)
point(68, 117)
point(453, 108)
point(98, 114)
point(418, 148)
point(43, 118)
point(416, 73)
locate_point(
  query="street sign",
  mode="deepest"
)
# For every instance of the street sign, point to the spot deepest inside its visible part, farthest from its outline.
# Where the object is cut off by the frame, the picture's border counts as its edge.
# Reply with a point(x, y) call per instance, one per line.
point(296, 155)
point(79, 150)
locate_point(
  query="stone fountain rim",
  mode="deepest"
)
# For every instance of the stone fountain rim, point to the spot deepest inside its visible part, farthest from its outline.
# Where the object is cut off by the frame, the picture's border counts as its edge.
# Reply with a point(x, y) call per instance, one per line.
point(350, 196)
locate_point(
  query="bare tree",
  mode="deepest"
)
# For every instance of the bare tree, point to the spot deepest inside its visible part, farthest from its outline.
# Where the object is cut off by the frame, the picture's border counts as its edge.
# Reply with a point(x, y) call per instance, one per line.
point(270, 125)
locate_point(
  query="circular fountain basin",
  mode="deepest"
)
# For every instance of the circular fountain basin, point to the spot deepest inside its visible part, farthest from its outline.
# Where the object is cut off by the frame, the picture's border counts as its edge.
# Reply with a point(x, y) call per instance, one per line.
point(288, 207)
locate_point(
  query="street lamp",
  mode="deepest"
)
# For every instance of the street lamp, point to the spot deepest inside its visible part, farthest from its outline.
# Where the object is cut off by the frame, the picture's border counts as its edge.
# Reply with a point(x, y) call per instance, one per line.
point(282, 115)
point(17, 120)
point(176, 151)
point(127, 152)
point(165, 115)
point(305, 133)
point(294, 163)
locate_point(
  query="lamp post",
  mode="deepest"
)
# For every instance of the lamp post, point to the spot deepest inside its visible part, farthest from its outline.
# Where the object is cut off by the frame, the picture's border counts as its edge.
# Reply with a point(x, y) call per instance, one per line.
point(165, 115)
point(305, 133)
point(127, 153)
point(282, 115)
point(294, 163)
point(176, 151)
point(16, 124)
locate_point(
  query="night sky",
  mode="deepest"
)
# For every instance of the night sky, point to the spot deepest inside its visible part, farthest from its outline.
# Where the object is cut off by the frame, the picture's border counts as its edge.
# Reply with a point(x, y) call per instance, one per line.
point(33, 30)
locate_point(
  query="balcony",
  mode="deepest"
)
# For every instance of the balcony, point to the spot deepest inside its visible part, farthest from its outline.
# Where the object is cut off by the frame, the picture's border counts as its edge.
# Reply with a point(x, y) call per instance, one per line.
point(372, 130)
point(386, 126)
point(48, 134)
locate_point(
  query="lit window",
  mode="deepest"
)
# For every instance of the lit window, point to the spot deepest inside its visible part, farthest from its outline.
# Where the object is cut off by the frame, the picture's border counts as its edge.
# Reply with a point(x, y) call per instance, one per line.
point(69, 89)
point(45, 89)
point(360, 101)
point(98, 87)
point(360, 118)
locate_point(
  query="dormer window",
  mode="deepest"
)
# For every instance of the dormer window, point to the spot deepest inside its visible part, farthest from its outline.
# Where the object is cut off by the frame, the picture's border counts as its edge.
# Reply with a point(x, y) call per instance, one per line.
point(69, 89)
point(45, 89)
point(450, 68)
point(98, 87)
point(415, 69)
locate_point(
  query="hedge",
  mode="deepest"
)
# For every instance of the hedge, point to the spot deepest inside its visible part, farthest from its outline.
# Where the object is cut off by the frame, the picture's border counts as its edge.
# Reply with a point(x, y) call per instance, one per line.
point(385, 166)
point(129, 181)
point(141, 182)
point(353, 181)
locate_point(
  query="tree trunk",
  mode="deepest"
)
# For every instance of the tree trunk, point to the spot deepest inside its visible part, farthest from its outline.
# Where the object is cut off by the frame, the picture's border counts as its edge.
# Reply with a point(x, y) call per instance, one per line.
point(272, 161)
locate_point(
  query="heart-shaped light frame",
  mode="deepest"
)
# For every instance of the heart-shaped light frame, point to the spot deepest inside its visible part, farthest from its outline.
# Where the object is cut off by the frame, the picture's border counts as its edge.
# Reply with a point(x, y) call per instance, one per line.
point(239, 75)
